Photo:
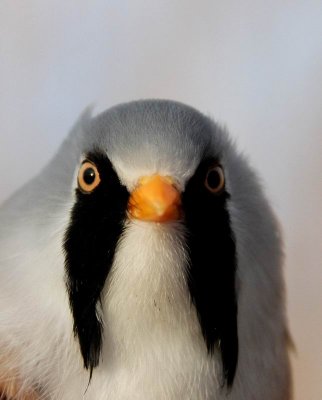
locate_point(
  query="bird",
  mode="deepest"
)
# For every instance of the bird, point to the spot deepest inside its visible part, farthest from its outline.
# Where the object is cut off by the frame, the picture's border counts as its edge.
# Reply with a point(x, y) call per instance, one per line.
point(144, 261)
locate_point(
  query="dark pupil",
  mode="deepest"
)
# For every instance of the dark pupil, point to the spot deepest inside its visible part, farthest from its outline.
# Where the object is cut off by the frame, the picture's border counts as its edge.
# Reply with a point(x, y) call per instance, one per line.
point(89, 176)
point(213, 179)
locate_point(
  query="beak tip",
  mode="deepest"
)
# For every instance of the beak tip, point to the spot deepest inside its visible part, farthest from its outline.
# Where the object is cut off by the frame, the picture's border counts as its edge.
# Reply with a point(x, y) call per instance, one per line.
point(155, 199)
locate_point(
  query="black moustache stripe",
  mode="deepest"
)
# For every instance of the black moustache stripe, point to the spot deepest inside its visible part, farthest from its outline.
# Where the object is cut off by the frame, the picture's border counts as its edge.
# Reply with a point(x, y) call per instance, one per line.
point(212, 268)
point(95, 227)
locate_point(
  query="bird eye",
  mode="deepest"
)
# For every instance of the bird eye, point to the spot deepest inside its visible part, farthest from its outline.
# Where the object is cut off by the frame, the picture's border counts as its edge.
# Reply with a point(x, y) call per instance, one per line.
point(88, 177)
point(215, 179)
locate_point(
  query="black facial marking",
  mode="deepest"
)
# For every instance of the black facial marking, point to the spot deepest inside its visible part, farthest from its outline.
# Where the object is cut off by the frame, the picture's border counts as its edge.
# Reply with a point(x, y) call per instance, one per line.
point(95, 226)
point(212, 267)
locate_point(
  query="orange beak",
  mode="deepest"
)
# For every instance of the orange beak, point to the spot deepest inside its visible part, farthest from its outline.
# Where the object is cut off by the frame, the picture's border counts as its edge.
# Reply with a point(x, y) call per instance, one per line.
point(155, 199)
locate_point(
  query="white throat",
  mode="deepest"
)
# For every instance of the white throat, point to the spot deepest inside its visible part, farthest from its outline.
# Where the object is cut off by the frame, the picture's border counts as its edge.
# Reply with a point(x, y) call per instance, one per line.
point(150, 325)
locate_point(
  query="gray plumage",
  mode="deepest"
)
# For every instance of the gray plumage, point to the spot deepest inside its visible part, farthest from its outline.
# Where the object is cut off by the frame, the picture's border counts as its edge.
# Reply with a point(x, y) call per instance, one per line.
point(40, 352)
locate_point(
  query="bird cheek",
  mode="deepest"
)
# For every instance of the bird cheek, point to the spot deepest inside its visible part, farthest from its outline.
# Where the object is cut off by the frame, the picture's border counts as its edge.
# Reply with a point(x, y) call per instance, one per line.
point(155, 199)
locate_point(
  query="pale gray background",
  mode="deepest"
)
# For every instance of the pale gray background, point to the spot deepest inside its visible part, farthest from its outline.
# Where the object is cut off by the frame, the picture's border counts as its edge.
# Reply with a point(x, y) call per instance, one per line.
point(254, 65)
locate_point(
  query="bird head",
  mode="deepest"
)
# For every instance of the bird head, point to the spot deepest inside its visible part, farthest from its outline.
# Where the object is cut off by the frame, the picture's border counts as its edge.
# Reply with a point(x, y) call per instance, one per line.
point(159, 168)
